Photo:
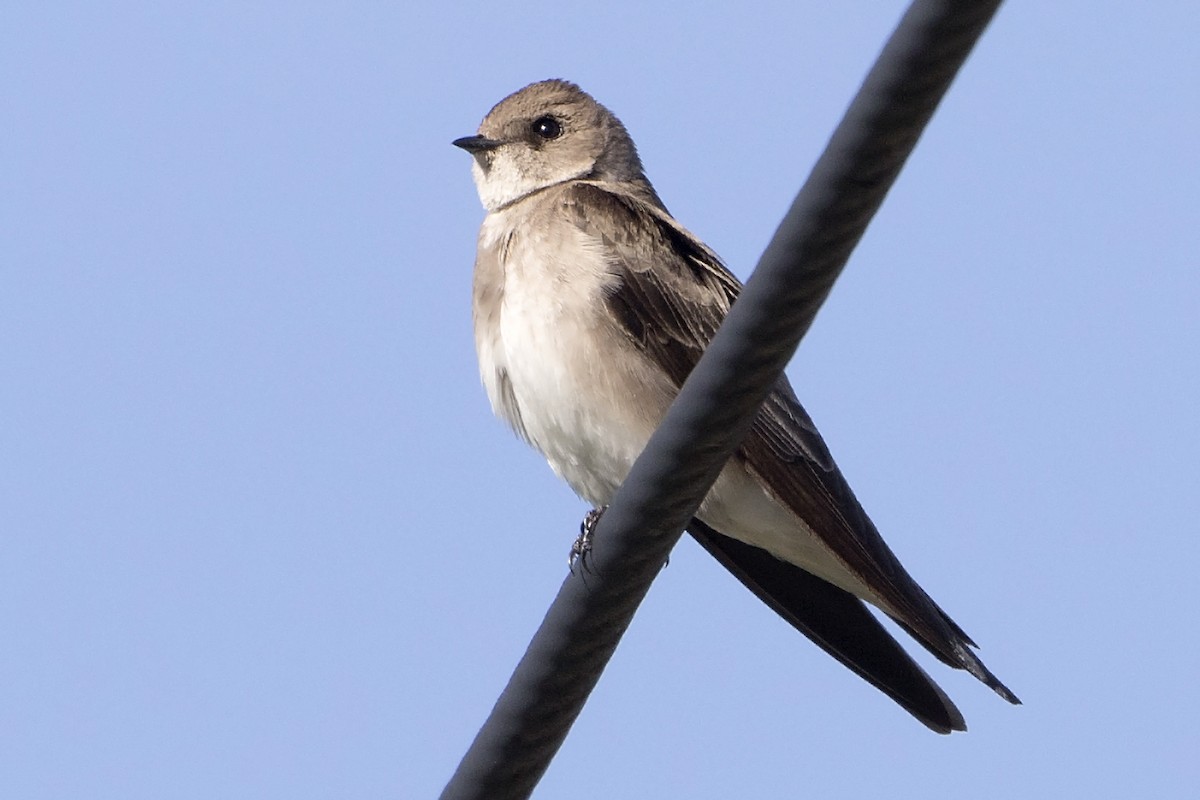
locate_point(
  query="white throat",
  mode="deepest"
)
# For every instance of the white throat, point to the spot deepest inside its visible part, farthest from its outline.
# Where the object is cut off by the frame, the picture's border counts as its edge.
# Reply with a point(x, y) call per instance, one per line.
point(505, 182)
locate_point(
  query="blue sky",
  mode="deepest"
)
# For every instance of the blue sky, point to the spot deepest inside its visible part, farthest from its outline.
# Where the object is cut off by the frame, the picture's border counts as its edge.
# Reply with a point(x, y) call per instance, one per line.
point(261, 537)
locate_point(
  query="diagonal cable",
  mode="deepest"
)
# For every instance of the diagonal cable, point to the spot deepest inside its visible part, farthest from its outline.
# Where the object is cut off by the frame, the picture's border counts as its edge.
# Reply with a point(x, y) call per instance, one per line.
point(718, 402)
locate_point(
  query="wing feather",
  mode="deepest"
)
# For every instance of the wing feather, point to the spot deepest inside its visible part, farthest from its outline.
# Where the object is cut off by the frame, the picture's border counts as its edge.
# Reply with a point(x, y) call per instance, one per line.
point(670, 293)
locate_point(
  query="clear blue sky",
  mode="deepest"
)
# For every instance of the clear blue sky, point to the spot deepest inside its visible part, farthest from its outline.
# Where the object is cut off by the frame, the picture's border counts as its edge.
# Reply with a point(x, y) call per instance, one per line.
point(261, 537)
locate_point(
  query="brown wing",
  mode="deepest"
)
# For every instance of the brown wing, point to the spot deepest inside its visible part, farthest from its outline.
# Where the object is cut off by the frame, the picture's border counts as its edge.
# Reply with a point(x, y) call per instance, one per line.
point(671, 294)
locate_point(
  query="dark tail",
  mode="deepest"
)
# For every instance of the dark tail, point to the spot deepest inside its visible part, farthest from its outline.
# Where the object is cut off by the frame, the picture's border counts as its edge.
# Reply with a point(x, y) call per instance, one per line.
point(839, 623)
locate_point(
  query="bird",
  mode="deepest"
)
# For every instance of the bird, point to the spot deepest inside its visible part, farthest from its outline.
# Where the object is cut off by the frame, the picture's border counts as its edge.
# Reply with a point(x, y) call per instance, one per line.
point(591, 304)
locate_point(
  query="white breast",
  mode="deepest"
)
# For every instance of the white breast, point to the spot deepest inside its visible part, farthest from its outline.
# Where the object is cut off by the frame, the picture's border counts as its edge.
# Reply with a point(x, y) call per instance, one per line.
point(585, 398)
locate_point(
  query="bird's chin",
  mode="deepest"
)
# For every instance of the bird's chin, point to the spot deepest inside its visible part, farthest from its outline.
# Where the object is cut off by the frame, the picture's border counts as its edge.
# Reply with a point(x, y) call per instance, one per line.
point(499, 187)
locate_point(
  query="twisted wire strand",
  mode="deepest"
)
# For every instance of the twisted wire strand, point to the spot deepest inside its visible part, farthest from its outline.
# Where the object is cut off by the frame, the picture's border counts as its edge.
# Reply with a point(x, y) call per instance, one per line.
point(718, 402)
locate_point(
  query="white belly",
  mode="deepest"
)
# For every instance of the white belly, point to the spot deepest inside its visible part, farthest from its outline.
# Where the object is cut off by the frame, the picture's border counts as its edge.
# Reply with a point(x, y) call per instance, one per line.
point(587, 400)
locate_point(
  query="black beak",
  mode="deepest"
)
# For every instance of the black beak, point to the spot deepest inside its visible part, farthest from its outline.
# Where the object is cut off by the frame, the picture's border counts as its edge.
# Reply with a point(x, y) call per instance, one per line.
point(477, 144)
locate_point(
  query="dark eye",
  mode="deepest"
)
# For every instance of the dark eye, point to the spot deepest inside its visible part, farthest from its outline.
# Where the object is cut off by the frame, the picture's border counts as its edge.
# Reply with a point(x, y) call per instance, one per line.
point(547, 128)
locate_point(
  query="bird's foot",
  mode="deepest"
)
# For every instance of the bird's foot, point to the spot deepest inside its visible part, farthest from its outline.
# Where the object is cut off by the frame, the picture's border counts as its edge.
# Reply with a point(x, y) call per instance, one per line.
point(583, 544)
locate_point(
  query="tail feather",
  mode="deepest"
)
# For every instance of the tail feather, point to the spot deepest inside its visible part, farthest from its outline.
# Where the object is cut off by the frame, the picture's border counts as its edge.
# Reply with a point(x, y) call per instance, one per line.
point(837, 622)
point(961, 656)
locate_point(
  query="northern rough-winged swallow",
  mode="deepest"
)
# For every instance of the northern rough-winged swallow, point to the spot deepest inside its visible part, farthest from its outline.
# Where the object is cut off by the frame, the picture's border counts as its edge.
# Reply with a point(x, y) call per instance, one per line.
point(591, 306)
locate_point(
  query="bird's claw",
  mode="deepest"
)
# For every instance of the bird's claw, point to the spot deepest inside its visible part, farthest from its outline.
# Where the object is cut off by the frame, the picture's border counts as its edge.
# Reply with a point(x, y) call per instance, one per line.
point(583, 543)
